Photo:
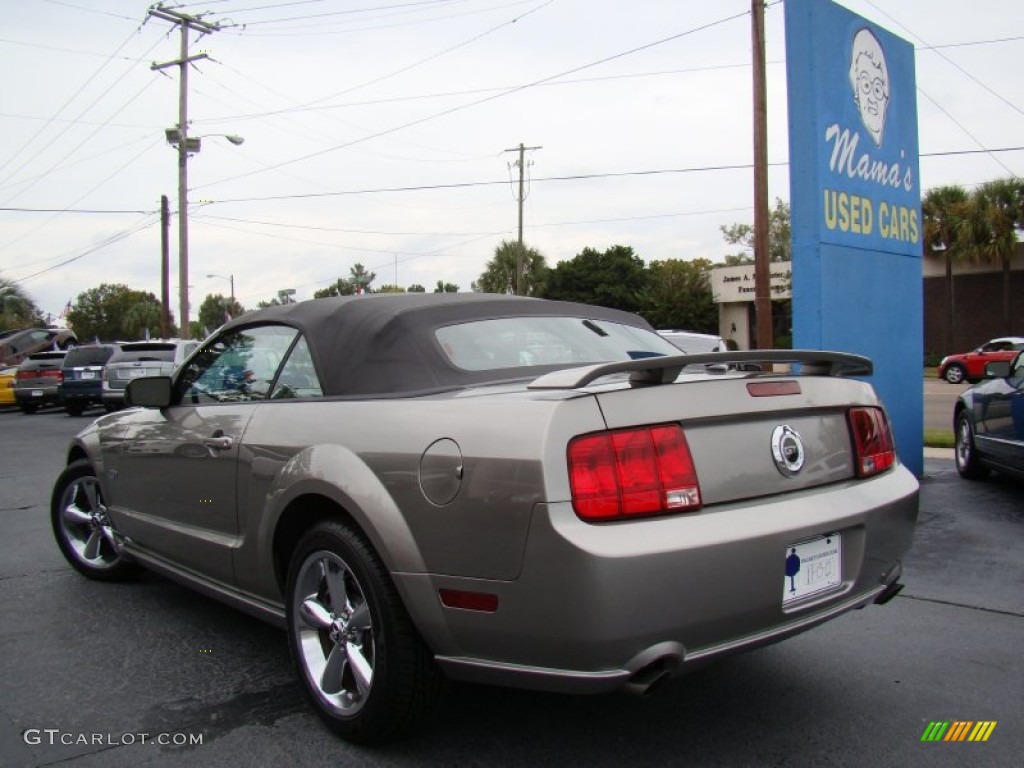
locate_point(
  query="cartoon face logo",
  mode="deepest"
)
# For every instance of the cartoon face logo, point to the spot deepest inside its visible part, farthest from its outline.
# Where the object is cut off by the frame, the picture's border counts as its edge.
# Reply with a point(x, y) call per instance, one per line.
point(869, 78)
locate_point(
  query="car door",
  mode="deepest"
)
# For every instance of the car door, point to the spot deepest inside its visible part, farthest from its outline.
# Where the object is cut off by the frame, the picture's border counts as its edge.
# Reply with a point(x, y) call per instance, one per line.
point(176, 486)
point(999, 416)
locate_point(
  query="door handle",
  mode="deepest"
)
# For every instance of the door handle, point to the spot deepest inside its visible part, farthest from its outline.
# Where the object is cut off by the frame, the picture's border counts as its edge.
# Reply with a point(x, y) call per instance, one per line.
point(218, 442)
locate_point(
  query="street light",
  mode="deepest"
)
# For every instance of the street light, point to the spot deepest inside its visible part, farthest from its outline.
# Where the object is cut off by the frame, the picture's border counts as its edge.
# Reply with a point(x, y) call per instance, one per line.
point(187, 145)
point(230, 279)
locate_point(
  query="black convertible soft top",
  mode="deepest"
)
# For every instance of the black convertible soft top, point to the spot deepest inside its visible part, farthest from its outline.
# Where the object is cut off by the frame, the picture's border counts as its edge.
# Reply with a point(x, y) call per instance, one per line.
point(384, 344)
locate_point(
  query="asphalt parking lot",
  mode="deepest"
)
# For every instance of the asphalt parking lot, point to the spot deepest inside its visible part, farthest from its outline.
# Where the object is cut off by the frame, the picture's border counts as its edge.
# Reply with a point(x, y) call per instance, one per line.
point(108, 663)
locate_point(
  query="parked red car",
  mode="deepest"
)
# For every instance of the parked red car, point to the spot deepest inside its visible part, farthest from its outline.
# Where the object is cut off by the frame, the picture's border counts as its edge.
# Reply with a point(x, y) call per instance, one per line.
point(970, 366)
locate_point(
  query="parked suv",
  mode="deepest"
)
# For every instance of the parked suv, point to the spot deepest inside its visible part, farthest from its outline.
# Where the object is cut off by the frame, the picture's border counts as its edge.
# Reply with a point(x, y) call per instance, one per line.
point(37, 382)
point(83, 377)
point(18, 344)
point(141, 358)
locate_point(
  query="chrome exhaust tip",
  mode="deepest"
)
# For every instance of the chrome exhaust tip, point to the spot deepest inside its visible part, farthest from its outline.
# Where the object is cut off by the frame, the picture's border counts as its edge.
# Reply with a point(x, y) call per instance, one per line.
point(649, 678)
point(889, 593)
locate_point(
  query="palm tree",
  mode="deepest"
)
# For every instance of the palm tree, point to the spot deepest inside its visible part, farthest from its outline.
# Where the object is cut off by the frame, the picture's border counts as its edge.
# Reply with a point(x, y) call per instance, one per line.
point(499, 273)
point(16, 308)
point(944, 210)
point(998, 215)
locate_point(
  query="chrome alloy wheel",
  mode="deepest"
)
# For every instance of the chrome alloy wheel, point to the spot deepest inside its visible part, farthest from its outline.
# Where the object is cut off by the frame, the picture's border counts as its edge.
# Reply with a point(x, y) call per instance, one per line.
point(85, 525)
point(964, 443)
point(334, 632)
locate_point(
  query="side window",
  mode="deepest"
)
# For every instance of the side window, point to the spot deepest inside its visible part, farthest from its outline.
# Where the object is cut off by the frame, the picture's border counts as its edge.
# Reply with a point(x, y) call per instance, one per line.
point(237, 366)
point(298, 377)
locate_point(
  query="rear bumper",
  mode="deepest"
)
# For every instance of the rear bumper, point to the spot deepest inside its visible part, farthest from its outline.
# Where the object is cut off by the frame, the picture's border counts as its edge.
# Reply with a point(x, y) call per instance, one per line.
point(601, 607)
point(81, 395)
point(36, 395)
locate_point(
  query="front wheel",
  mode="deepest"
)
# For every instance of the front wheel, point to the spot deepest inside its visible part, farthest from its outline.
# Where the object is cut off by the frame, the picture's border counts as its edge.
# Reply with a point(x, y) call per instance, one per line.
point(967, 463)
point(361, 661)
point(83, 530)
point(955, 374)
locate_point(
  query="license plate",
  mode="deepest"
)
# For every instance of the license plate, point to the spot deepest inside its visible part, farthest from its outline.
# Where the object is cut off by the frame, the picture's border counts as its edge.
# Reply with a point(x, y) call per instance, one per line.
point(88, 374)
point(37, 393)
point(137, 373)
point(812, 566)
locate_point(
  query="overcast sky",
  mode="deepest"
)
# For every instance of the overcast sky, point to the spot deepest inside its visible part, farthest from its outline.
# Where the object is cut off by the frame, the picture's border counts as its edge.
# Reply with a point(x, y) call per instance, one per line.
point(376, 131)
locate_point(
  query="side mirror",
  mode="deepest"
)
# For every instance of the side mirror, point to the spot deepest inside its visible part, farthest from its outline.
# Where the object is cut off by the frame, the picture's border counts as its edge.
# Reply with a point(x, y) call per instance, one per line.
point(998, 370)
point(149, 392)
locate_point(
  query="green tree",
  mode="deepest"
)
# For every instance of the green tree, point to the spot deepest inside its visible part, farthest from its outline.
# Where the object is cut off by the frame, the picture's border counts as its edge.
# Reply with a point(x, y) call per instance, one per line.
point(779, 241)
point(338, 288)
point(417, 288)
point(443, 287)
point(358, 280)
point(678, 295)
point(111, 311)
point(613, 278)
point(217, 309)
point(945, 213)
point(499, 273)
point(998, 212)
point(17, 310)
point(391, 289)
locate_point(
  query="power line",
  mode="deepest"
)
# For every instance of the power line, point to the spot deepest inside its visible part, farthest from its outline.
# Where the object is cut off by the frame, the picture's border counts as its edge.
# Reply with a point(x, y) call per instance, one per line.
point(486, 99)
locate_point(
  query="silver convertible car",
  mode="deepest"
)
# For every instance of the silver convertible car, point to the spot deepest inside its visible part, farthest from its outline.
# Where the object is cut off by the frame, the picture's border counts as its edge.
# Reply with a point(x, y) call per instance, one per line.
point(495, 489)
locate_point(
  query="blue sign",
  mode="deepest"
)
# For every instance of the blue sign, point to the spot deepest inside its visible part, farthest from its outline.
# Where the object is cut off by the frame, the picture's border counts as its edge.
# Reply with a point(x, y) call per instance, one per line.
point(856, 202)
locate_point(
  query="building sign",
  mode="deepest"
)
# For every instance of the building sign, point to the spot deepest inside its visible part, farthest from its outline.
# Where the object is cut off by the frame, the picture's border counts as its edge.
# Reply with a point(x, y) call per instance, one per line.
point(855, 201)
point(735, 284)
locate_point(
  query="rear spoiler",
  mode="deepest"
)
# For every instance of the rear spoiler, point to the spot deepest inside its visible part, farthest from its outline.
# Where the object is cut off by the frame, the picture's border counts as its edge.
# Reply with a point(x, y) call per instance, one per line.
point(665, 369)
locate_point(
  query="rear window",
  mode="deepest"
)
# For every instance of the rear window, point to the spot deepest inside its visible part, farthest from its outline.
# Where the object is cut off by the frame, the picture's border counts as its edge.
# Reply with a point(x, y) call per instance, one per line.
point(88, 356)
point(163, 352)
point(519, 342)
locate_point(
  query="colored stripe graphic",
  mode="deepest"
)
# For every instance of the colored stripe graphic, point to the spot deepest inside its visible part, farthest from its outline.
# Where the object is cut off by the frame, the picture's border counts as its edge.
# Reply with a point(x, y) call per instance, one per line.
point(982, 731)
point(959, 730)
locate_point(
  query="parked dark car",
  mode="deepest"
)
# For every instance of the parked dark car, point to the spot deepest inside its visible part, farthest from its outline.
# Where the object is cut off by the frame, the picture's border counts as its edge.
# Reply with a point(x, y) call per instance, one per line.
point(989, 423)
point(37, 383)
point(496, 489)
point(970, 366)
point(16, 345)
point(82, 372)
point(136, 359)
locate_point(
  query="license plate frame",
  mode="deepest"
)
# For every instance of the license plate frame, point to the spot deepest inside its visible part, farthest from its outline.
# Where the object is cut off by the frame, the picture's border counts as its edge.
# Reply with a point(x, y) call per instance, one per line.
point(818, 567)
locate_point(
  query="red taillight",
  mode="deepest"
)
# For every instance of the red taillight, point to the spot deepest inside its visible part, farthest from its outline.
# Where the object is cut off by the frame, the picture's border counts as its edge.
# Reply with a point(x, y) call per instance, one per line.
point(873, 441)
point(631, 472)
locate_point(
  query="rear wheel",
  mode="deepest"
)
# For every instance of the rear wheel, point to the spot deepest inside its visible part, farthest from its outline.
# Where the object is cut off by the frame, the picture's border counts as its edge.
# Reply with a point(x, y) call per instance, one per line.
point(967, 463)
point(360, 659)
point(28, 407)
point(955, 373)
point(75, 409)
point(83, 530)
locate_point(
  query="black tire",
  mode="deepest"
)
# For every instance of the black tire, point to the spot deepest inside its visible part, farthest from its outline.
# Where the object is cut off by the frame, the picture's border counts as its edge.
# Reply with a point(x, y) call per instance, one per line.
point(110, 407)
point(28, 408)
point(955, 374)
point(83, 531)
point(360, 660)
point(966, 453)
point(75, 410)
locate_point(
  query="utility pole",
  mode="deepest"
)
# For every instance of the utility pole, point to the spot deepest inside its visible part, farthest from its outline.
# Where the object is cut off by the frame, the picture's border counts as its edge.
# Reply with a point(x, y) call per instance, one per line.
point(186, 23)
point(520, 198)
point(762, 269)
point(165, 268)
